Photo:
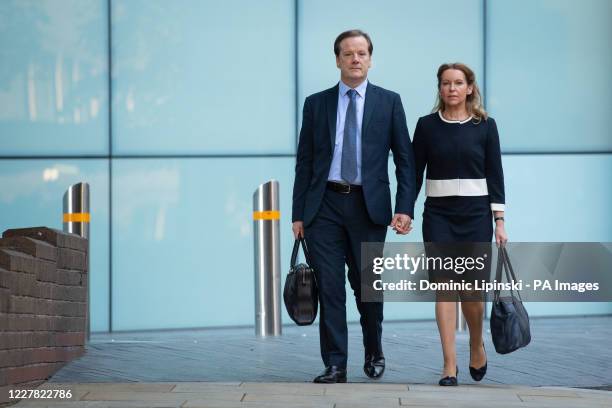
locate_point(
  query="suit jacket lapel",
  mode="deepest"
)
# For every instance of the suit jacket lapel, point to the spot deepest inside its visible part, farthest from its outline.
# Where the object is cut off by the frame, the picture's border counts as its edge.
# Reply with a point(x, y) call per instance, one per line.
point(332, 113)
point(370, 103)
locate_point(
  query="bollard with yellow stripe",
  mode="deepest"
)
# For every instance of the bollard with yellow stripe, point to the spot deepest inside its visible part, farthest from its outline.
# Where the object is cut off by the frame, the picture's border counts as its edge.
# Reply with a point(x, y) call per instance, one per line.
point(266, 215)
point(76, 219)
point(266, 231)
point(76, 216)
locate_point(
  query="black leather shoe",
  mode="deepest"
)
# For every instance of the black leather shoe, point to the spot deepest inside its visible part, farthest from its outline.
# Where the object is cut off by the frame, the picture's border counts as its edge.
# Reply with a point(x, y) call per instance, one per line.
point(374, 366)
point(478, 373)
point(449, 381)
point(331, 375)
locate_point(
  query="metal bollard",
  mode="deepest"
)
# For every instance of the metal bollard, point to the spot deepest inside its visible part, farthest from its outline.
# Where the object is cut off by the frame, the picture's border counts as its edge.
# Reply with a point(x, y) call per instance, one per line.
point(266, 228)
point(76, 210)
point(461, 325)
point(76, 221)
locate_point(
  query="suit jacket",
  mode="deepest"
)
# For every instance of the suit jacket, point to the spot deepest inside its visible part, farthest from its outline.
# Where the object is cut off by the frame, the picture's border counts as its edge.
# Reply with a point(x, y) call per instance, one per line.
point(383, 129)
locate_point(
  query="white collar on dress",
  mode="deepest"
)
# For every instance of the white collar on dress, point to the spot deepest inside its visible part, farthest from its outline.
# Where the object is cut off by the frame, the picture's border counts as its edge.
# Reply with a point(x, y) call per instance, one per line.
point(453, 121)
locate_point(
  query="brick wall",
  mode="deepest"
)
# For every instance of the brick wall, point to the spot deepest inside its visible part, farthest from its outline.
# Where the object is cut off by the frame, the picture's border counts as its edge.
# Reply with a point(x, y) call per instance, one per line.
point(43, 303)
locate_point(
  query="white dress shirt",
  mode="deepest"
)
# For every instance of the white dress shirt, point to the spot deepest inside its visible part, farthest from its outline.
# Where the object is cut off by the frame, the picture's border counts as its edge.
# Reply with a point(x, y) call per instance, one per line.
point(343, 102)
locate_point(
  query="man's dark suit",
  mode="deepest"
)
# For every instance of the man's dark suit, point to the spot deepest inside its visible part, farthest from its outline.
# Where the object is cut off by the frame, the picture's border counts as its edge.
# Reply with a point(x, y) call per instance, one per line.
point(336, 224)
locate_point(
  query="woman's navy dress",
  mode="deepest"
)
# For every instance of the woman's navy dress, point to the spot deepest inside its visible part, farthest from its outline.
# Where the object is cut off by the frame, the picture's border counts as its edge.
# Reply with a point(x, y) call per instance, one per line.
point(464, 182)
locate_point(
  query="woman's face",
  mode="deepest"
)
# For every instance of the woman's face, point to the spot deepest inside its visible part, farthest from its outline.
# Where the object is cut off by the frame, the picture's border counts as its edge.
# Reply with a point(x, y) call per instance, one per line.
point(454, 88)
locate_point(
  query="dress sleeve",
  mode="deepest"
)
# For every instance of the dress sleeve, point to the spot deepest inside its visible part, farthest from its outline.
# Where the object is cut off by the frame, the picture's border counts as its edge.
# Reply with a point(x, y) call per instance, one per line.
point(493, 169)
point(420, 155)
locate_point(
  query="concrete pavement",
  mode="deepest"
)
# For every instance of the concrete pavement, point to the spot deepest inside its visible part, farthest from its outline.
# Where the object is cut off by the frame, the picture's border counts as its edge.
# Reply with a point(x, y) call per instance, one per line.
point(351, 395)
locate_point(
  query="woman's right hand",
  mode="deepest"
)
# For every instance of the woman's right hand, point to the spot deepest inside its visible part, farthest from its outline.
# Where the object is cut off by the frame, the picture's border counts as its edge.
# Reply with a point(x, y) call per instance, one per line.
point(298, 229)
point(500, 234)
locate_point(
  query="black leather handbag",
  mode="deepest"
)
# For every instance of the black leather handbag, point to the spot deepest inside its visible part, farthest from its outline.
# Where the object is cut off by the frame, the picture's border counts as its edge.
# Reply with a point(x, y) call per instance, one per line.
point(509, 319)
point(300, 293)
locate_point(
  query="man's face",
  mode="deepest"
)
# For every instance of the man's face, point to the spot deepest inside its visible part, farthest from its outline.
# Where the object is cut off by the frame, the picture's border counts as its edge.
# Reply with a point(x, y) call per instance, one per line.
point(354, 60)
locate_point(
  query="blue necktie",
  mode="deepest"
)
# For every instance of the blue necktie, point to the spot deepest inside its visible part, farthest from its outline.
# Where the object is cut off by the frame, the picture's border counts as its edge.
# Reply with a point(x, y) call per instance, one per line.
point(348, 169)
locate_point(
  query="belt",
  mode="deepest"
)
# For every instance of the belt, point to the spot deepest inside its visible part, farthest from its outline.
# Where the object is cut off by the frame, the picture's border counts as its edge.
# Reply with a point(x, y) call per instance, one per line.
point(343, 188)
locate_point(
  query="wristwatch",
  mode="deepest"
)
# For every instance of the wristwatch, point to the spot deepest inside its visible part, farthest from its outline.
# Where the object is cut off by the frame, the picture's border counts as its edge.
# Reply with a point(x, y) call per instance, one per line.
point(499, 218)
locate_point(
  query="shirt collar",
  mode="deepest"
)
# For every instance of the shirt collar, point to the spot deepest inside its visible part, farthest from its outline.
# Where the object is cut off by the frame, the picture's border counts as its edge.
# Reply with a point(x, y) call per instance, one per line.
point(361, 88)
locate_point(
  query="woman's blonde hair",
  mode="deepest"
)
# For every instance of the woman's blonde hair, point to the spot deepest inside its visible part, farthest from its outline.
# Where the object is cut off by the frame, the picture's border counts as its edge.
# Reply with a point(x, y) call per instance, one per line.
point(473, 101)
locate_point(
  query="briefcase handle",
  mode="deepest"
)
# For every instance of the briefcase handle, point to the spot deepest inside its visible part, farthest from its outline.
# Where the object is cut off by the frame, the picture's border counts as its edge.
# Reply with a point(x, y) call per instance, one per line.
point(296, 247)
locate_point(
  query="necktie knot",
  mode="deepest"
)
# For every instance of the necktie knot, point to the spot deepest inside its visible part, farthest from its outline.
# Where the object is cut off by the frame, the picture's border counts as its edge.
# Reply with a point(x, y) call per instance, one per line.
point(351, 94)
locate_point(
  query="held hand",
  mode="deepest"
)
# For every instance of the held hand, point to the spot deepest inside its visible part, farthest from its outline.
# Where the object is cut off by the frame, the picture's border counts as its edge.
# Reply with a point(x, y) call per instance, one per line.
point(298, 229)
point(401, 223)
point(500, 234)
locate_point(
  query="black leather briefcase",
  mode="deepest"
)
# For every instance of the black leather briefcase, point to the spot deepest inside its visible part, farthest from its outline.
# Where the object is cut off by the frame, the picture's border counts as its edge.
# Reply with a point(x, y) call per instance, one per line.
point(300, 293)
point(509, 319)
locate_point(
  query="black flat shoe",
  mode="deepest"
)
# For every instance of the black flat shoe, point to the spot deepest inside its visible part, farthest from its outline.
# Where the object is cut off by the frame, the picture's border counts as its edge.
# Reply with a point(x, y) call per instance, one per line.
point(331, 375)
point(374, 366)
point(449, 381)
point(478, 373)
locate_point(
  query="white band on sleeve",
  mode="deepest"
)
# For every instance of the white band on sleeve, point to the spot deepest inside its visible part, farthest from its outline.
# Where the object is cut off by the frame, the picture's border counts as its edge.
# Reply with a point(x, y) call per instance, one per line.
point(497, 207)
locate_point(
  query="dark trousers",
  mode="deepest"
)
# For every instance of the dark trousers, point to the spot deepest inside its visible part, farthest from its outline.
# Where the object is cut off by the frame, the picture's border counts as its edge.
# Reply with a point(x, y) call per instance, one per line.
point(334, 239)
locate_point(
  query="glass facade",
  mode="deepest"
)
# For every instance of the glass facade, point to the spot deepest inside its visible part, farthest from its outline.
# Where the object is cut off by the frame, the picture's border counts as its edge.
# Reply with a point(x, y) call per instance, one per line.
point(194, 77)
point(183, 247)
point(551, 92)
point(205, 107)
point(53, 78)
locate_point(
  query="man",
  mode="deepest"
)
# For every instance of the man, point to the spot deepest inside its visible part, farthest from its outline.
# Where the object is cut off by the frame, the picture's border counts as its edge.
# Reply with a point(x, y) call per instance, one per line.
point(341, 195)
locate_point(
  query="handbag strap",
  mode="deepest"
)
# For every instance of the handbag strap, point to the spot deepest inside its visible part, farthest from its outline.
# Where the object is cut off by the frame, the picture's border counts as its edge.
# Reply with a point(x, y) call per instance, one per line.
point(498, 273)
point(509, 268)
point(296, 248)
point(503, 263)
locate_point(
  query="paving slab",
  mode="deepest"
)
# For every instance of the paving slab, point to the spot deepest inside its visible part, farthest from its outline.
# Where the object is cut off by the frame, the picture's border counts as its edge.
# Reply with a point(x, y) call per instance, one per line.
point(276, 404)
point(348, 397)
point(101, 404)
point(273, 389)
point(112, 387)
point(217, 395)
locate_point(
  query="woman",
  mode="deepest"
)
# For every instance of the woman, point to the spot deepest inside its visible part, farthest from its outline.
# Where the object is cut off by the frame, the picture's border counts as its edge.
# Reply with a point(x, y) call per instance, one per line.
point(459, 145)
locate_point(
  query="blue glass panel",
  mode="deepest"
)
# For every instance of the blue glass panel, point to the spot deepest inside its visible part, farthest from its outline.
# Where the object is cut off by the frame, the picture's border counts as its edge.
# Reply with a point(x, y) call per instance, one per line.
point(411, 40)
point(31, 193)
point(195, 76)
point(54, 77)
point(558, 198)
point(548, 74)
point(183, 240)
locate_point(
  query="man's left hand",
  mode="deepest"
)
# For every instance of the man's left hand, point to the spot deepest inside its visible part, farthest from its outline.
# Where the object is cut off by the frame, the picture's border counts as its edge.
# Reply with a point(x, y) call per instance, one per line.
point(401, 223)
